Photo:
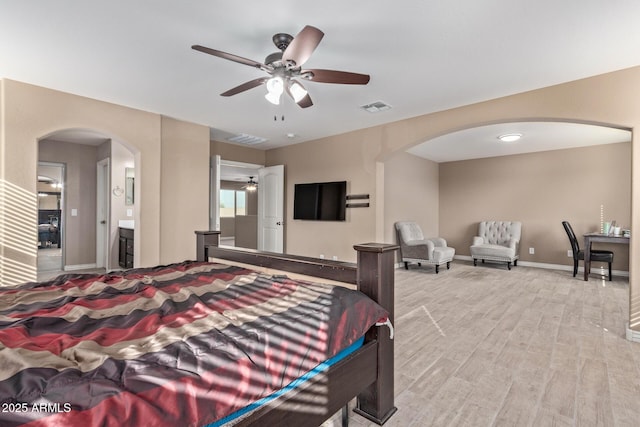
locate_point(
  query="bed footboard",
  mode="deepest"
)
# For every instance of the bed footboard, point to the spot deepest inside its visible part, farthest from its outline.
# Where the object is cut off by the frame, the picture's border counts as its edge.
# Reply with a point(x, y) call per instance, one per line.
point(369, 372)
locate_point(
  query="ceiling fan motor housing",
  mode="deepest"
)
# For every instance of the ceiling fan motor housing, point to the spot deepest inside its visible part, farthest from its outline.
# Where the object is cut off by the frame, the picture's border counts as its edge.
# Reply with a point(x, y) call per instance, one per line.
point(282, 40)
point(274, 59)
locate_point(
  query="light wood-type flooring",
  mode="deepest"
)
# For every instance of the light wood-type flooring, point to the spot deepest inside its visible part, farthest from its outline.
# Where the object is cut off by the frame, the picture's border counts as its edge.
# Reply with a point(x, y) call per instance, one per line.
point(484, 346)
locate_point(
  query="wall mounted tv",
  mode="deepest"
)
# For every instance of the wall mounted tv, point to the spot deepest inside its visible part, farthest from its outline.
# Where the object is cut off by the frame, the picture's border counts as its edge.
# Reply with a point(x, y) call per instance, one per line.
point(320, 201)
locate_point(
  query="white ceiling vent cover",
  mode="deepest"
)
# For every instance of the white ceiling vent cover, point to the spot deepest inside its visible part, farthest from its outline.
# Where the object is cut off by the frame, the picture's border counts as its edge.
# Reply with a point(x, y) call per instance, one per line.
point(243, 138)
point(376, 107)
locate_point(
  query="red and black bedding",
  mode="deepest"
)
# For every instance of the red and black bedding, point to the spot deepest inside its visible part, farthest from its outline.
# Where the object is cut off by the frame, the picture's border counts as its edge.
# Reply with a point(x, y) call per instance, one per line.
point(184, 344)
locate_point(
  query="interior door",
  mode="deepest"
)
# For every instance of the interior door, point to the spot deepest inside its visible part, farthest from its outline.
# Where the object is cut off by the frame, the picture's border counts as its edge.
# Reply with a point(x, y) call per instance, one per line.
point(271, 209)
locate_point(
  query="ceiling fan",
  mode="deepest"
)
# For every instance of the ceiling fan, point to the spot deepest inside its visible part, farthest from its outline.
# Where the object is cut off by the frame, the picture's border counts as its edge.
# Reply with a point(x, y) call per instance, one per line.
point(284, 68)
point(251, 185)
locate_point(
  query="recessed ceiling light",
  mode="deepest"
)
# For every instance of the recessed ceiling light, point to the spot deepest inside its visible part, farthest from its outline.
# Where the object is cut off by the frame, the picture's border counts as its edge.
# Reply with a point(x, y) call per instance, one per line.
point(510, 137)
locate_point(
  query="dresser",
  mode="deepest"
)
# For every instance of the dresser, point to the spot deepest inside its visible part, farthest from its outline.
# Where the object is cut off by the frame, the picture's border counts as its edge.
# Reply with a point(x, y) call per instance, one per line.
point(125, 258)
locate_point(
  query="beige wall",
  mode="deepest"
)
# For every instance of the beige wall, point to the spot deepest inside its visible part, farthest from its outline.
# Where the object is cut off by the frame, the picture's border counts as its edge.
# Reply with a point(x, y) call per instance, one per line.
point(78, 232)
point(31, 113)
point(346, 157)
point(411, 189)
point(185, 188)
point(238, 153)
point(540, 190)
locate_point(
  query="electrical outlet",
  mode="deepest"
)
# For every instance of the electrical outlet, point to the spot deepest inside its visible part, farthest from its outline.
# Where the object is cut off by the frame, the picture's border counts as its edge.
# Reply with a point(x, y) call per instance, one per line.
point(532, 251)
point(335, 257)
point(321, 256)
point(569, 253)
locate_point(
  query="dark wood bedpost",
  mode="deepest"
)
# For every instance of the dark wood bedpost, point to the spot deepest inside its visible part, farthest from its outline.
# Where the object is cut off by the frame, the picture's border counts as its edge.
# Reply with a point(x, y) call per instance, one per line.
point(376, 279)
point(204, 239)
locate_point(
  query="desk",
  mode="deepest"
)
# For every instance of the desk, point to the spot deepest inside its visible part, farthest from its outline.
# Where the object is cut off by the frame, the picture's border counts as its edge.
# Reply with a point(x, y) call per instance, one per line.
point(602, 238)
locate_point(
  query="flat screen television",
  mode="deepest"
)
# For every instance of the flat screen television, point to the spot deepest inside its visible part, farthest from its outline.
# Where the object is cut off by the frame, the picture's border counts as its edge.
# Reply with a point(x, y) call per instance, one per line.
point(320, 201)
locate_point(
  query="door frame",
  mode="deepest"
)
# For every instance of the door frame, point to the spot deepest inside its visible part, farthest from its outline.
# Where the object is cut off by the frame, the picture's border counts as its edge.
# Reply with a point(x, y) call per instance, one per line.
point(103, 199)
point(214, 192)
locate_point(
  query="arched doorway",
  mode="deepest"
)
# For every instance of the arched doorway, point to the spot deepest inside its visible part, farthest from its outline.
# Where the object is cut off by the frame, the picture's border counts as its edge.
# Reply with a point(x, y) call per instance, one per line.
point(93, 164)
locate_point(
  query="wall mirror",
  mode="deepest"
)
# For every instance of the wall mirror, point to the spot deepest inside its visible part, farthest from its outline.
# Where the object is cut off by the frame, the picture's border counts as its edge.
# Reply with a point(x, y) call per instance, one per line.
point(129, 178)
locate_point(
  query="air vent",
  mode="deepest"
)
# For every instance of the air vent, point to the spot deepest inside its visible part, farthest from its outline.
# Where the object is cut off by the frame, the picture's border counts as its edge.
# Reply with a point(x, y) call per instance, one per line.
point(243, 138)
point(376, 107)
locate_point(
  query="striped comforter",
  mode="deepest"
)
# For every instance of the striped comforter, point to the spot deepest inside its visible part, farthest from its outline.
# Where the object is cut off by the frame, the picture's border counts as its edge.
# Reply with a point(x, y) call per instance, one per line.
point(178, 345)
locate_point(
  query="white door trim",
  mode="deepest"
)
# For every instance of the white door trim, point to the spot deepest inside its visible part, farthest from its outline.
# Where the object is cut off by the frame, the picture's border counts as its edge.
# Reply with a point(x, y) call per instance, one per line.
point(214, 193)
point(103, 223)
point(271, 209)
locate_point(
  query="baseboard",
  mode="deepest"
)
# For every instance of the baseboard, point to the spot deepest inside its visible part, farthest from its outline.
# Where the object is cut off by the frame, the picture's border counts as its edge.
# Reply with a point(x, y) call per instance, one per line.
point(80, 267)
point(633, 335)
point(548, 266)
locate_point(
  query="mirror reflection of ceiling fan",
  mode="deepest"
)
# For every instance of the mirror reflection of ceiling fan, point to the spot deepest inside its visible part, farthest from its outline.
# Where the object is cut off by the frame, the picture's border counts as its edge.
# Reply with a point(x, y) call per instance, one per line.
point(251, 185)
point(285, 68)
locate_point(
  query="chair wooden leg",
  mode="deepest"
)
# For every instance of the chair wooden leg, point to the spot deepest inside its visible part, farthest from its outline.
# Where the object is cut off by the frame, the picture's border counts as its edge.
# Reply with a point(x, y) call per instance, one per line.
point(406, 265)
point(437, 268)
point(475, 262)
point(575, 267)
point(509, 265)
point(448, 264)
point(610, 272)
point(515, 263)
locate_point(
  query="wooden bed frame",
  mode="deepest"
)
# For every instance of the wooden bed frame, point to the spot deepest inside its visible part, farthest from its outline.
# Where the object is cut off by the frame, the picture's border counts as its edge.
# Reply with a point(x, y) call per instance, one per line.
point(367, 373)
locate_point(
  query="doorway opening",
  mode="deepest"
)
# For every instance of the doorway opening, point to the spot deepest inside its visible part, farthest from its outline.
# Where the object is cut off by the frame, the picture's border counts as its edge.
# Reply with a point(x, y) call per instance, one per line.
point(98, 188)
point(50, 187)
point(247, 204)
point(237, 204)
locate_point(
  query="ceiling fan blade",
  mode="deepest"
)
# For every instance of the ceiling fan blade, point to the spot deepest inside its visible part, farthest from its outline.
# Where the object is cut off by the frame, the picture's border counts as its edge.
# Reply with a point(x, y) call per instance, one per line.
point(333, 76)
point(229, 56)
point(245, 86)
point(302, 46)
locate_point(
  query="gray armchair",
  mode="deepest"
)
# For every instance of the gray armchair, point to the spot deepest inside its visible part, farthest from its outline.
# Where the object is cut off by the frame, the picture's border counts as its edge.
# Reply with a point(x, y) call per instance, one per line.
point(497, 241)
point(415, 248)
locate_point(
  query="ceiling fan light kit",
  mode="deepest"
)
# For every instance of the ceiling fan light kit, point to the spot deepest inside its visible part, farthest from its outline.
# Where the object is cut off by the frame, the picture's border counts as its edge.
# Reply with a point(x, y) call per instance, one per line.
point(251, 185)
point(275, 87)
point(284, 68)
point(297, 91)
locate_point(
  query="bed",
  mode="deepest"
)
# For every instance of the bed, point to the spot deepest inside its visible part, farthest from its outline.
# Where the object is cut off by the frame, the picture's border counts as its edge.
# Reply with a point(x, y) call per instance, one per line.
point(48, 227)
point(200, 343)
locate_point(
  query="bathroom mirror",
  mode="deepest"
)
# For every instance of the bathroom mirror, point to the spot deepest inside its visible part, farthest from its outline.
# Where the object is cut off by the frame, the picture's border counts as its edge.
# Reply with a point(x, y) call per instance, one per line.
point(129, 178)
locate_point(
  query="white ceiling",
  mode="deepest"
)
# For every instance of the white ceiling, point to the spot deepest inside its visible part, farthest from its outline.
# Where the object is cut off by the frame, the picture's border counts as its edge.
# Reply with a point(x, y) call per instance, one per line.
point(422, 55)
point(483, 141)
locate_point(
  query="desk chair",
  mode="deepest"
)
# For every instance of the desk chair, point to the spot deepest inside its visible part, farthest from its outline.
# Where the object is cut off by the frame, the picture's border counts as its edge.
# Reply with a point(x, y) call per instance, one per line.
point(578, 254)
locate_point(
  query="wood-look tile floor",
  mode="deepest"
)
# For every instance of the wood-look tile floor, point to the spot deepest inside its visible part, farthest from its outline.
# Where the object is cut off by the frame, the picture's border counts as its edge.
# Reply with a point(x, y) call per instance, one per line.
point(484, 346)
